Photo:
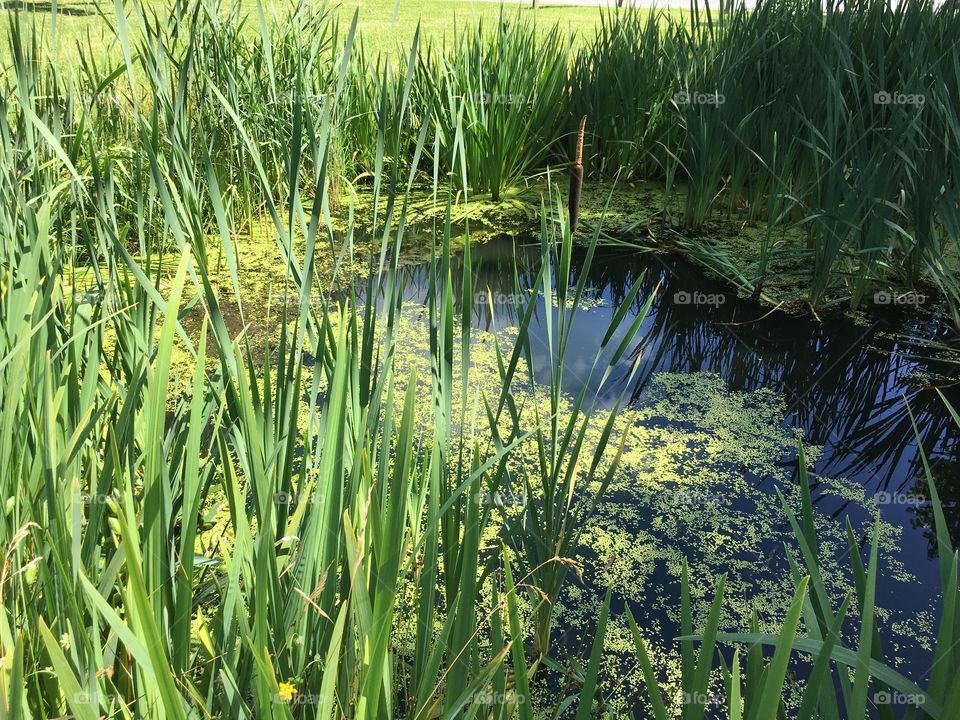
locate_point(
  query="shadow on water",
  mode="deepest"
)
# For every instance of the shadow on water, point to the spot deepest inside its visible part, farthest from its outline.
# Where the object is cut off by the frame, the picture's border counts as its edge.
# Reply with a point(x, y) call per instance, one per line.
point(846, 384)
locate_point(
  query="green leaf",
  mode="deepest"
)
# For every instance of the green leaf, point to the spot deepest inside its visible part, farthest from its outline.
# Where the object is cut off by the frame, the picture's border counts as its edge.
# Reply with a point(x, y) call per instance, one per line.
point(589, 689)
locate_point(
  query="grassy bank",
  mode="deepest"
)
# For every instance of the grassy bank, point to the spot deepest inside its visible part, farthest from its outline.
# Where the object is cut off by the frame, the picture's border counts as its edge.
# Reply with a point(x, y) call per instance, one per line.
point(385, 24)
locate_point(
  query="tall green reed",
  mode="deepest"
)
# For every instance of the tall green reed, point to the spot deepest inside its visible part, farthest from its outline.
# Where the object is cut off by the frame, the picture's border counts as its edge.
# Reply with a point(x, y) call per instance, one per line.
point(133, 413)
point(498, 96)
point(828, 122)
point(832, 126)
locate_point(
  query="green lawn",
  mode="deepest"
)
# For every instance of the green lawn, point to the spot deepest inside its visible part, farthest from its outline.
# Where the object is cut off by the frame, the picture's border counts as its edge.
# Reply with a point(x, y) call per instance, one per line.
point(384, 24)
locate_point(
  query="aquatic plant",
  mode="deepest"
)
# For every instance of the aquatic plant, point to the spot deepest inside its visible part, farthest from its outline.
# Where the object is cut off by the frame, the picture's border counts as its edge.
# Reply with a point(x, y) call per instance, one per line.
point(841, 681)
point(576, 180)
point(203, 541)
point(497, 98)
point(183, 531)
point(198, 523)
point(827, 122)
point(833, 126)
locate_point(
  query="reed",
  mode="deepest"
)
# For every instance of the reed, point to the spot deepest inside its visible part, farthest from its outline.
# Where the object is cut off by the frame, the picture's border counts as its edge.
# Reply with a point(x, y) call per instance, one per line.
point(787, 114)
point(184, 534)
point(500, 94)
point(831, 126)
point(576, 180)
point(137, 422)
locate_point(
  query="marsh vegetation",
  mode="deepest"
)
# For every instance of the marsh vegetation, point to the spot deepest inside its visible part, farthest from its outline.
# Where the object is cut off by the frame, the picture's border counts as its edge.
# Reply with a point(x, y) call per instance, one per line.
point(280, 438)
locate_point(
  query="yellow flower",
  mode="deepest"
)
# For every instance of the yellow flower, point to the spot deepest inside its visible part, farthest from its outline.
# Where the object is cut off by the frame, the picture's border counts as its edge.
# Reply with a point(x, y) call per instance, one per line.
point(288, 691)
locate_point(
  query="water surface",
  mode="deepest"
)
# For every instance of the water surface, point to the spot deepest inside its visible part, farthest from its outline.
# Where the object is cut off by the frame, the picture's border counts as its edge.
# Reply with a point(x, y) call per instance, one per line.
point(846, 383)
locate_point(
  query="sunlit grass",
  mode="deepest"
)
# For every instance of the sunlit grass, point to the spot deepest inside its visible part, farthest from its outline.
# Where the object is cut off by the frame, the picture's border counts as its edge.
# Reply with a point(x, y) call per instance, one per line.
point(197, 524)
point(385, 24)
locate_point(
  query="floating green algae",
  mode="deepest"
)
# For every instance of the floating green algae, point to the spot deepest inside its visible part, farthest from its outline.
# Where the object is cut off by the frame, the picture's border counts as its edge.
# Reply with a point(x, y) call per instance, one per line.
point(696, 481)
point(772, 265)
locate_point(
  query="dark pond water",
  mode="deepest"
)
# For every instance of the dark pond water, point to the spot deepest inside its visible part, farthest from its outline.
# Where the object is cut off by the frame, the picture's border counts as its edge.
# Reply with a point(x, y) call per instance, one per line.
point(846, 383)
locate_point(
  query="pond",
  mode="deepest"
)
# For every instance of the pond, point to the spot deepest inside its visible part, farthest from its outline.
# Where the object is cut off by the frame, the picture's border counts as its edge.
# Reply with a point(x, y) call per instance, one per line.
point(716, 386)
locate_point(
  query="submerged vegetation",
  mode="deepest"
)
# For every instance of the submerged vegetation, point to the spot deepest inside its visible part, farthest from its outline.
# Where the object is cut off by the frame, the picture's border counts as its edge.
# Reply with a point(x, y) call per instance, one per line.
point(373, 509)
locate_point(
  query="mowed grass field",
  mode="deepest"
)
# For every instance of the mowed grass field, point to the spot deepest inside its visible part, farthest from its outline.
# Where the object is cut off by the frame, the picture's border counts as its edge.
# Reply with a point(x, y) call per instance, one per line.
point(383, 24)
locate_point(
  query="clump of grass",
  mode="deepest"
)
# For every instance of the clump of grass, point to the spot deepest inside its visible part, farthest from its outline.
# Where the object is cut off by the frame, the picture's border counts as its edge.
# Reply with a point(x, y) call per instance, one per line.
point(498, 96)
point(827, 123)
